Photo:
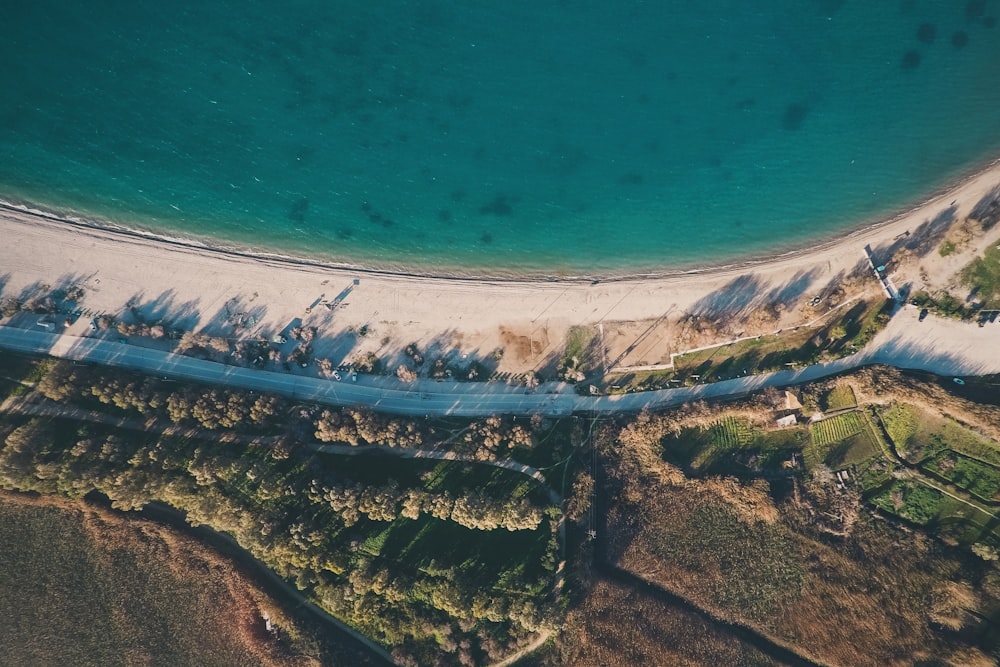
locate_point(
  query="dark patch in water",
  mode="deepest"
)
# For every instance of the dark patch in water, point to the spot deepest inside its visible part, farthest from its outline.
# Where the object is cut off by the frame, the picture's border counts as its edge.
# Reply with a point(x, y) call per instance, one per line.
point(975, 8)
point(459, 101)
point(297, 213)
point(738, 223)
point(444, 215)
point(907, 7)
point(479, 152)
point(989, 22)
point(794, 116)
point(911, 60)
point(344, 234)
point(500, 206)
point(651, 145)
point(486, 238)
point(747, 103)
point(960, 39)
point(830, 7)
point(643, 99)
point(715, 161)
point(366, 207)
point(638, 58)
point(457, 195)
point(402, 137)
point(631, 178)
point(388, 222)
point(732, 81)
point(926, 33)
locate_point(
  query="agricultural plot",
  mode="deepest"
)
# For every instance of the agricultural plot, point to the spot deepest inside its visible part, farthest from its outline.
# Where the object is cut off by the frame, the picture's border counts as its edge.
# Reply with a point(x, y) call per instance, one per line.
point(919, 436)
point(699, 446)
point(839, 398)
point(732, 432)
point(964, 441)
point(732, 442)
point(837, 428)
point(910, 500)
point(839, 441)
point(977, 478)
point(856, 449)
point(902, 423)
point(947, 516)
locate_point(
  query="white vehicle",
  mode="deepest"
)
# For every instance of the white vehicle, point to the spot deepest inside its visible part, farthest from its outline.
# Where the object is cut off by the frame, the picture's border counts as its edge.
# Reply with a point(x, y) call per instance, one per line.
point(336, 376)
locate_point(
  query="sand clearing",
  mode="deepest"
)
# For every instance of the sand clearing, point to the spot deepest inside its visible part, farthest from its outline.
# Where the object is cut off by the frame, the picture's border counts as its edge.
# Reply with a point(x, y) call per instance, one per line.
point(644, 319)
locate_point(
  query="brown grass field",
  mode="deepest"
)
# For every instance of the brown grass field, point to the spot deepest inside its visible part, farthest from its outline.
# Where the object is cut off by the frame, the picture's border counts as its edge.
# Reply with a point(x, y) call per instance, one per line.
point(870, 593)
point(617, 625)
point(84, 586)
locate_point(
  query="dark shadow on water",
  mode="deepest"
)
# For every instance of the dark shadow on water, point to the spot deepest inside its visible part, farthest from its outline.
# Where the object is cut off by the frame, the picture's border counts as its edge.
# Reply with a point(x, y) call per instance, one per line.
point(794, 116)
point(926, 33)
point(910, 60)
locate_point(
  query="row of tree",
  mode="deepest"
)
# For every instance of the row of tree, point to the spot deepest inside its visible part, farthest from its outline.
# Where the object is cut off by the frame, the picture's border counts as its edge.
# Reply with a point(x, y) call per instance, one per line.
point(471, 509)
point(211, 408)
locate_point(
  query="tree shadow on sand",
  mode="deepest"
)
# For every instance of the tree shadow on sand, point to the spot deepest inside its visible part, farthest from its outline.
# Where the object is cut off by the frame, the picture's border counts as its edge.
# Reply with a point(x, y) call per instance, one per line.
point(748, 293)
point(918, 242)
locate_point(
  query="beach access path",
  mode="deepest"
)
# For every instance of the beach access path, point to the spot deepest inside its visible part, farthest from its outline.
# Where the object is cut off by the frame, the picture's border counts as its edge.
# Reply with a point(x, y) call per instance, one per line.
point(938, 346)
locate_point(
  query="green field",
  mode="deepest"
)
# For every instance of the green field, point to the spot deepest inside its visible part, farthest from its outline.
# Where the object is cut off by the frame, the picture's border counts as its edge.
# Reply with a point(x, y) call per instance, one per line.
point(910, 500)
point(978, 478)
point(837, 428)
point(919, 436)
point(839, 398)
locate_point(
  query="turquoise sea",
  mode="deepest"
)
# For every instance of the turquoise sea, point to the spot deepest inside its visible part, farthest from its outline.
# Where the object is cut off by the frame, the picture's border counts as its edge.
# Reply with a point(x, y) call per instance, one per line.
point(554, 137)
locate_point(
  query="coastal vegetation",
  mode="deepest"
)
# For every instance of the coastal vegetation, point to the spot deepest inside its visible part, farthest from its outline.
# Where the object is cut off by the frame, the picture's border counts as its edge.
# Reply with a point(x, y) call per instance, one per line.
point(705, 533)
point(982, 276)
point(440, 561)
point(849, 330)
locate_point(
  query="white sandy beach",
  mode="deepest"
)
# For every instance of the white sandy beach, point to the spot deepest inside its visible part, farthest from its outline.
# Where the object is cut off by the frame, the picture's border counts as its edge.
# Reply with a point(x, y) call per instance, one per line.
point(644, 320)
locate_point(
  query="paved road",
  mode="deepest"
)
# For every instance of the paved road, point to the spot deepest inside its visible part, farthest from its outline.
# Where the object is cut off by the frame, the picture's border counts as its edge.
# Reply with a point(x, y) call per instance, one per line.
point(939, 346)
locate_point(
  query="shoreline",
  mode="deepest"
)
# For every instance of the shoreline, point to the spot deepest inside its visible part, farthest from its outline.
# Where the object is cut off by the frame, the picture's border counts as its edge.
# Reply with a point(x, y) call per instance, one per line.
point(641, 318)
point(500, 274)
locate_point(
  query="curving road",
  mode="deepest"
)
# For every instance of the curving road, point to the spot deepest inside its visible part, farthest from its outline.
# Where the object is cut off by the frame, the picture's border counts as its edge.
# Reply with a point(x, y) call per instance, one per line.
point(939, 346)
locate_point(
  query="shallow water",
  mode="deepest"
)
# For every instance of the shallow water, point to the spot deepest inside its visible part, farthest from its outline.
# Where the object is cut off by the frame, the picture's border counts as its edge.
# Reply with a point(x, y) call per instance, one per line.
point(590, 136)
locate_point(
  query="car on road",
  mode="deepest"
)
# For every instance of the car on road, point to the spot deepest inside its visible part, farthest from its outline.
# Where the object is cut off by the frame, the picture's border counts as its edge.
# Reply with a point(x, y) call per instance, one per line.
point(336, 376)
point(958, 380)
point(123, 340)
point(923, 315)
